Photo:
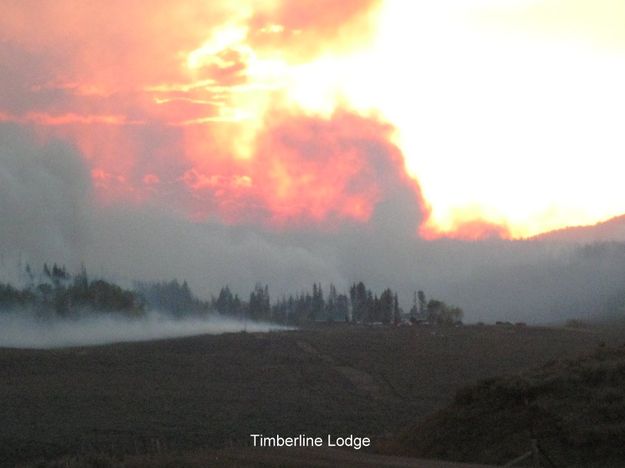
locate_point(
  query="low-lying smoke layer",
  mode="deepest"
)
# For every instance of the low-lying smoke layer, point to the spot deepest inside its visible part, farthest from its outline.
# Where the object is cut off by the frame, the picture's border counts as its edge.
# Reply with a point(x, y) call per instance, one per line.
point(23, 330)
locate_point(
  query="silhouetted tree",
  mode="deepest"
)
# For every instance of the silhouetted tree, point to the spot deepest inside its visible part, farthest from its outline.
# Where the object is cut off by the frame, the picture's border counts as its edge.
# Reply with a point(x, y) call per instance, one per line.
point(317, 304)
point(360, 299)
point(422, 304)
point(259, 306)
point(386, 307)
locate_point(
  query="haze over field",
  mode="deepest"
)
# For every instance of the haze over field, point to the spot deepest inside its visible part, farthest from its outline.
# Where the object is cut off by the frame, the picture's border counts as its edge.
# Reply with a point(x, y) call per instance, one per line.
point(299, 142)
point(19, 330)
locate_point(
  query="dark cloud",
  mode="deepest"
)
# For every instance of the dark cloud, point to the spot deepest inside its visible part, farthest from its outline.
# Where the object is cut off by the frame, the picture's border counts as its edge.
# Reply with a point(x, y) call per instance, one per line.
point(44, 197)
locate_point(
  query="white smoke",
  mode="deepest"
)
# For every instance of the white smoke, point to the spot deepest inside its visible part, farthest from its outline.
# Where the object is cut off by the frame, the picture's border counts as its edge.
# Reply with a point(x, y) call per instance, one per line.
point(23, 330)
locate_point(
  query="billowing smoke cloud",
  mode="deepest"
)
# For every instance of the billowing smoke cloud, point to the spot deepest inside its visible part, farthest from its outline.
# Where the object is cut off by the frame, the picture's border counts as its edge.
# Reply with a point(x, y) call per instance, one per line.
point(304, 171)
point(44, 198)
point(199, 121)
point(188, 105)
point(20, 330)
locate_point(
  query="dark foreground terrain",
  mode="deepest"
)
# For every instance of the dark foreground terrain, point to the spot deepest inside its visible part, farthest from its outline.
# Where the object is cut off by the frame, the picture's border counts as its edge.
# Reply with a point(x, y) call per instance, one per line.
point(573, 409)
point(246, 457)
point(212, 392)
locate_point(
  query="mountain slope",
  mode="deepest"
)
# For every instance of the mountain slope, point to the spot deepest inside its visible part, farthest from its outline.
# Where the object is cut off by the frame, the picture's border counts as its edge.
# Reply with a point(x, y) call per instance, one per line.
point(612, 230)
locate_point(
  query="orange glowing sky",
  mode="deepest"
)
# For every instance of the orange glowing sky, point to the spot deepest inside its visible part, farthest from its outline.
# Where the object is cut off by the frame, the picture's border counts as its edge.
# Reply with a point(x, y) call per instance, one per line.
point(505, 117)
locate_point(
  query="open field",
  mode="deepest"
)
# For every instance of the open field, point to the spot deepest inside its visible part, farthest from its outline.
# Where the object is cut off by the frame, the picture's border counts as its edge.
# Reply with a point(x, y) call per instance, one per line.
point(242, 457)
point(214, 391)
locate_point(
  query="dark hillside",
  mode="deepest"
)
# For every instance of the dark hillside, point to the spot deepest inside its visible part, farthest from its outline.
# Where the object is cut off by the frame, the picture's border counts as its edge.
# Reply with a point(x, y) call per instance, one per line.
point(575, 409)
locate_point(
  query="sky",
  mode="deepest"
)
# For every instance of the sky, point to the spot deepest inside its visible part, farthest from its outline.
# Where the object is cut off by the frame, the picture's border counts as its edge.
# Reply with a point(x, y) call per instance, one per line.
point(505, 115)
point(229, 142)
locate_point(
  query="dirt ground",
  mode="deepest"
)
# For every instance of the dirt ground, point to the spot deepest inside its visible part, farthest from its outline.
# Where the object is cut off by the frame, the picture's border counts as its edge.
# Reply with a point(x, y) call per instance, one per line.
point(212, 392)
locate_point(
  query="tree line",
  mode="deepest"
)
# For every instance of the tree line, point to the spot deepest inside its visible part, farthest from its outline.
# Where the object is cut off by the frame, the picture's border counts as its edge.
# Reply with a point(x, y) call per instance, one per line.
point(358, 305)
point(55, 291)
